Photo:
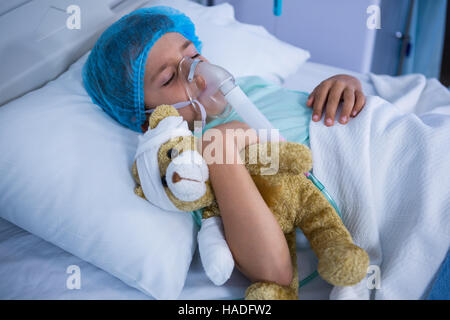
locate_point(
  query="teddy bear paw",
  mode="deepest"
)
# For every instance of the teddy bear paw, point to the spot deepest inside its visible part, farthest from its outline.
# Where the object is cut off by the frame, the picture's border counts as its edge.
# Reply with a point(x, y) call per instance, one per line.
point(343, 265)
point(218, 264)
point(214, 252)
point(269, 291)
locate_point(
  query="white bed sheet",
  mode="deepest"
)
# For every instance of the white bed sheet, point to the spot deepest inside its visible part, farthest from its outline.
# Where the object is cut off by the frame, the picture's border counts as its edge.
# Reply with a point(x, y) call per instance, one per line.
point(31, 268)
point(310, 74)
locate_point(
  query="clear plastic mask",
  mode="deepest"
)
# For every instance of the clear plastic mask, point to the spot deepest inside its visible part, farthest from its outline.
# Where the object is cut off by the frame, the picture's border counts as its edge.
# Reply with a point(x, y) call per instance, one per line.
point(201, 81)
point(213, 93)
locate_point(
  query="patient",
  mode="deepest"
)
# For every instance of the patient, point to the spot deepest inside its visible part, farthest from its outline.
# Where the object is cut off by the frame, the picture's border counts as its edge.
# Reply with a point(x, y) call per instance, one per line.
point(133, 68)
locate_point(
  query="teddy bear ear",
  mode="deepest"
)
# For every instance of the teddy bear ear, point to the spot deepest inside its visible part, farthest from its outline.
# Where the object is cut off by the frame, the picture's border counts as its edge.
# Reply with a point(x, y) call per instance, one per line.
point(161, 112)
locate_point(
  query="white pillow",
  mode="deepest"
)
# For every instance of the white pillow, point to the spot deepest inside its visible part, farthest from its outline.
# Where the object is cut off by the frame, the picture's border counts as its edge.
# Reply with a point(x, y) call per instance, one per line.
point(65, 176)
point(65, 164)
point(242, 49)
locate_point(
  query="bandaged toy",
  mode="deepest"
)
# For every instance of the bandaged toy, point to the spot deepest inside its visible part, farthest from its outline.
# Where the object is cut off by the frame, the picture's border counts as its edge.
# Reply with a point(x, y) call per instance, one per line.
point(171, 174)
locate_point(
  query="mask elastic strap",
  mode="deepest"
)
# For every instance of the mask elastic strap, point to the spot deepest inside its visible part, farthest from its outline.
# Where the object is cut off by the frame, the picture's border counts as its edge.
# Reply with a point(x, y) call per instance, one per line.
point(196, 104)
point(176, 106)
point(192, 69)
point(202, 112)
point(183, 104)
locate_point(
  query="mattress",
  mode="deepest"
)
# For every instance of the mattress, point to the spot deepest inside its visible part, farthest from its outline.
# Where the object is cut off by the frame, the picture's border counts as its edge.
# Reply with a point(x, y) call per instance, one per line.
point(310, 74)
point(31, 268)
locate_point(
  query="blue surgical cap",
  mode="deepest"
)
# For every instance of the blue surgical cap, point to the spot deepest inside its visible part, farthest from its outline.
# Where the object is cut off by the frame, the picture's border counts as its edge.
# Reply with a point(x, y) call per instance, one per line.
point(113, 74)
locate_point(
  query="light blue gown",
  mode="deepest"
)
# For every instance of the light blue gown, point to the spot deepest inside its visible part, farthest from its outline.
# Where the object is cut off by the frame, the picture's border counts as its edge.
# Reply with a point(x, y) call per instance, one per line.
point(286, 109)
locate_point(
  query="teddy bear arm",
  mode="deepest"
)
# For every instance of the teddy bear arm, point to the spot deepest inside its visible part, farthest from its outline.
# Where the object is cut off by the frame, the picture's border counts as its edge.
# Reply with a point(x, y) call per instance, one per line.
point(294, 157)
point(319, 221)
point(282, 157)
point(341, 262)
point(211, 211)
point(260, 157)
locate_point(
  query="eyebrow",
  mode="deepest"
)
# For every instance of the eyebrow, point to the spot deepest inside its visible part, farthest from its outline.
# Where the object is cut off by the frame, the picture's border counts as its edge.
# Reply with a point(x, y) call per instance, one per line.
point(186, 44)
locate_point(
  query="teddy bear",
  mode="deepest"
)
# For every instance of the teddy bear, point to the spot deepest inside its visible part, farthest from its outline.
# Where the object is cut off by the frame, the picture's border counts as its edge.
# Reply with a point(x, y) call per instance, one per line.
point(293, 199)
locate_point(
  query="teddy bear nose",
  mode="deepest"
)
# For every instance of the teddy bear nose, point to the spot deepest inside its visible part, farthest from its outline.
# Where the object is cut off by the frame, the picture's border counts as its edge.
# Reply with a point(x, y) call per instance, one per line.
point(176, 177)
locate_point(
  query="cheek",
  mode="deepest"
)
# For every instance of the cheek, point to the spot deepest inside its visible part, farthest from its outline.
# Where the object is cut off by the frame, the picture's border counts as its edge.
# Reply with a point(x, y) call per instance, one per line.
point(149, 95)
point(166, 95)
point(188, 114)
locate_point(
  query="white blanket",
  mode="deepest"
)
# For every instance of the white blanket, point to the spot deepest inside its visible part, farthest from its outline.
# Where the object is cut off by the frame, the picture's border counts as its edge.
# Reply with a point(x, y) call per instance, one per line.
point(389, 171)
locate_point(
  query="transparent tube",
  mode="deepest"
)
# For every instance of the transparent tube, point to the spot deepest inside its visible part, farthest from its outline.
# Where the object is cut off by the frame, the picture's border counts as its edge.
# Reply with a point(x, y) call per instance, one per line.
point(251, 115)
point(216, 90)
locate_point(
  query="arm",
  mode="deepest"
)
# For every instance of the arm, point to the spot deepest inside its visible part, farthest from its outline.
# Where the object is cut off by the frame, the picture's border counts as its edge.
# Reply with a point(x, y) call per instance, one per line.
point(254, 236)
point(330, 92)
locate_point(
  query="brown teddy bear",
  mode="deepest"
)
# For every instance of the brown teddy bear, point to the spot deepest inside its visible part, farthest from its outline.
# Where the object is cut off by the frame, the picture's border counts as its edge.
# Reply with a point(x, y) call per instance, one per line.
point(293, 199)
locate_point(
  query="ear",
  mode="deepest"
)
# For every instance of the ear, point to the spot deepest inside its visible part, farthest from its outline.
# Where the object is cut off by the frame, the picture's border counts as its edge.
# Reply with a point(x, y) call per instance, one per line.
point(161, 112)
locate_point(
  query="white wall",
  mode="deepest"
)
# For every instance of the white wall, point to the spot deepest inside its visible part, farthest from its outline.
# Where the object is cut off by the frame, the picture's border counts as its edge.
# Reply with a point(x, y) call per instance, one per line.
point(334, 31)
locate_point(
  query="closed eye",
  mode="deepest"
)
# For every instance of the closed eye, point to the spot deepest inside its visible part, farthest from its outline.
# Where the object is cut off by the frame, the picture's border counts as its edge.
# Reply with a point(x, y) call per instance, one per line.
point(168, 81)
point(173, 74)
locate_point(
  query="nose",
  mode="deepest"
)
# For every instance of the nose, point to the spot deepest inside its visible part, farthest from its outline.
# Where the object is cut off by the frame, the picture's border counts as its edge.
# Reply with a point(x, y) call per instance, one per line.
point(176, 177)
point(200, 83)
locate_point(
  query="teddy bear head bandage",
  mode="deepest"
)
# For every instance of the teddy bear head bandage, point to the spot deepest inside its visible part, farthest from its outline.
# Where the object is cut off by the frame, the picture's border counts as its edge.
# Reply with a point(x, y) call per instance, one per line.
point(172, 173)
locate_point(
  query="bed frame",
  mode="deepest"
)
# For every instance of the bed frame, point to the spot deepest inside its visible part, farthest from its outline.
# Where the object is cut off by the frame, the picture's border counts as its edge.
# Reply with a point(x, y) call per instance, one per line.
point(40, 39)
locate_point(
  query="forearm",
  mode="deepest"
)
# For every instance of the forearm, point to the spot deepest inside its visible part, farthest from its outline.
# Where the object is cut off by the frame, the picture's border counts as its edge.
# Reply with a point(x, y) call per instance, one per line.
point(254, 236)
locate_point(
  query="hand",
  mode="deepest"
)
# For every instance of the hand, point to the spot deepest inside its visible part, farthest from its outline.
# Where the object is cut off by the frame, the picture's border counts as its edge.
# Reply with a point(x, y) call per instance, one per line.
point(235, 133)
point(333, 90)
point(230, 137)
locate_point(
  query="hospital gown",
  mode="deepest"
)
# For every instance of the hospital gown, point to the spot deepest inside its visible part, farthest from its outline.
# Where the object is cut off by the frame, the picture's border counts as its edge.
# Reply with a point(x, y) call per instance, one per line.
point(286, 109)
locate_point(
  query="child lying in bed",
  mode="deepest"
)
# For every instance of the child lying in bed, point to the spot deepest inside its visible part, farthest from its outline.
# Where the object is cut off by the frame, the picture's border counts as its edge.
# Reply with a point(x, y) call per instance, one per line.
point(133, 68)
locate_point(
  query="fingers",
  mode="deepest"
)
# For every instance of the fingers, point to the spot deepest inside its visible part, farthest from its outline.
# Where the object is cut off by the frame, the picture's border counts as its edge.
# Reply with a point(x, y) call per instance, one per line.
point(310, 100)
point(360, 101)
point(333, 100)
point(347, 107)
point(328, 94)
point(319, 97)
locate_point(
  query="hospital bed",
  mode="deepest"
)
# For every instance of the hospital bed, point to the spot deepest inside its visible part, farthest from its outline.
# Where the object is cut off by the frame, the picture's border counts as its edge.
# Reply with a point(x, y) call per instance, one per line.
point(32, 268)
